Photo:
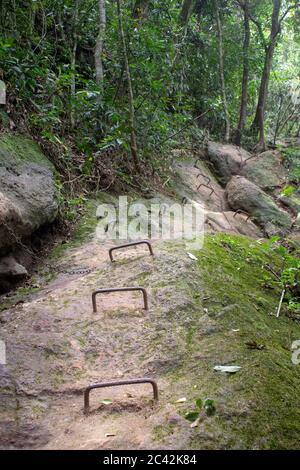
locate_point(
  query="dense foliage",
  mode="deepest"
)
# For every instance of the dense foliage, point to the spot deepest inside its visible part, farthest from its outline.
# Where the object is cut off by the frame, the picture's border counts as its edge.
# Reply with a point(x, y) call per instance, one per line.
point(65, 67)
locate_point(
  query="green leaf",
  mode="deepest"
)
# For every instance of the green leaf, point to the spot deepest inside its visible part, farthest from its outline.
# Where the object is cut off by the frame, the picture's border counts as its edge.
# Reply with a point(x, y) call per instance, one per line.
point(191, 415)
point(199, 403)
point(209, 406)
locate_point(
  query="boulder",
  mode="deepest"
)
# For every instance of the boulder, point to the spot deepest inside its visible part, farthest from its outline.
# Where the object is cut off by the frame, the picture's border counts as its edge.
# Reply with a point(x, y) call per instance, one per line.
point(226, 159)
point(9, 267)
point(266, 170)
point(27, 189)
point(245, 195)
point(292, 202)
point(10, 272)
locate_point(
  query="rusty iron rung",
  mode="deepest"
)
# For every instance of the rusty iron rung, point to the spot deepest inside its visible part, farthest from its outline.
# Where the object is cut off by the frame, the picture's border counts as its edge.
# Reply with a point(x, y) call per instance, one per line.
point(120, 289)
point(142, 242)
point(239, 211)
point(206, 186)
point(117, 383)
point(184, 200)
point(204, 176)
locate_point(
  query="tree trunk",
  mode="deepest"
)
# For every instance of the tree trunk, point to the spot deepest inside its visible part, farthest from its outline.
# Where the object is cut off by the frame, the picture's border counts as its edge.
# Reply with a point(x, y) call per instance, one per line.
point(133, 142)
point(99, 42)
point(73, 63)
point(259, 120)
point(244, 94)
point(222, 77)
point(186, 11)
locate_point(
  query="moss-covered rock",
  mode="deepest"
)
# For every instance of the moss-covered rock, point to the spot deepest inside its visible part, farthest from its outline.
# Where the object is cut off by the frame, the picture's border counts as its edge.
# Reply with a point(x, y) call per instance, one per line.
point(292, 201)
point(19, 149)
point(266, 170)
point(27, 189)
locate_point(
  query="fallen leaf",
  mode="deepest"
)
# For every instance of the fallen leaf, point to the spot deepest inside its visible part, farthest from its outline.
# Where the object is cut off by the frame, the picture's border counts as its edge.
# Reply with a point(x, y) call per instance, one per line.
point(181, 400)
point(192, 257)
point(196, 422)
point(228, 369)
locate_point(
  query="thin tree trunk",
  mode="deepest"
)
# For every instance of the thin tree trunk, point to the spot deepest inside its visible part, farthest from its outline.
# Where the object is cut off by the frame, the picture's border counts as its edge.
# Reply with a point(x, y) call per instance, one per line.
point(222, 77)
point(99, 42)
point(186, 11)
point(259, 120)
point(133, 141)
point(278, 119)
point(244, 94)
point(61, 26)
point(73, 63)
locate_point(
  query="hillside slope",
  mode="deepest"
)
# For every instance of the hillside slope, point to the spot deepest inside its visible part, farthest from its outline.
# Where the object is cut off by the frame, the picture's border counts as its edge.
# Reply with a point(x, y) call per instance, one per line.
point(205, 312)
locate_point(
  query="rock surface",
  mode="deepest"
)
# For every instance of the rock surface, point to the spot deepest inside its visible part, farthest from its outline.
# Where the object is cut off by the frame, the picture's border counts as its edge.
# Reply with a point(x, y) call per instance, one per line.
point(10, 267)
point(245, 195)
point(27, 189)
point(292, 202)
point(266, 170)
point(226, 159)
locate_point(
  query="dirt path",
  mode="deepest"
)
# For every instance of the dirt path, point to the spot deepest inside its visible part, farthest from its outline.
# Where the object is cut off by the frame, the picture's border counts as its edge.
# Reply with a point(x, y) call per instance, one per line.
point(57, 346)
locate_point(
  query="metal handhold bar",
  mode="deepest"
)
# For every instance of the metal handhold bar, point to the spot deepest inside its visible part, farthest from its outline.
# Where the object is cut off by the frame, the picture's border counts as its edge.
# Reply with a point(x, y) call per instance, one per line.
point(208, 187)
point(240, 211)
point(120, 289)
point(204, 176)
point(145, 242)
point(117, 383)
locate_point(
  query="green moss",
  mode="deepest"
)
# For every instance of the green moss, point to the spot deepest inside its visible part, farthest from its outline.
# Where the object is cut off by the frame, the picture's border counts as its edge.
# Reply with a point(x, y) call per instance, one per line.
point(21, 294)
point(258, 407)
point(21, 149)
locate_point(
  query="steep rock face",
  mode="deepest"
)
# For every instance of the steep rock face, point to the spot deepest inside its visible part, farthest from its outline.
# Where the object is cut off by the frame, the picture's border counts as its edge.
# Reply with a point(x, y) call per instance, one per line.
point(245, 195)
point(27, 193)
point(226, 159)
point(266, 170)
